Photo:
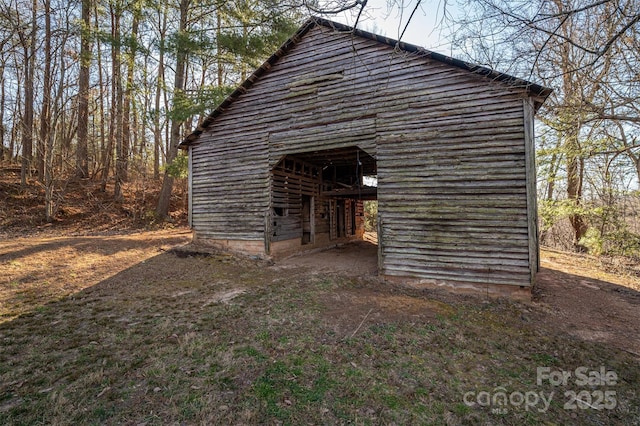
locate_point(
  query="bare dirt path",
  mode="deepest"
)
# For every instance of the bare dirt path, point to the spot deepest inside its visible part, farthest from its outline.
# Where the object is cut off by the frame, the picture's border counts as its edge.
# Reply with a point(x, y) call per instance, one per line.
point(358, 258)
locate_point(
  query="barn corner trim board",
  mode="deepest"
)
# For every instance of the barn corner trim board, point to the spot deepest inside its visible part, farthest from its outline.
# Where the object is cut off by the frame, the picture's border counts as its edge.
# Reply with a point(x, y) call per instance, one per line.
point(279, 166)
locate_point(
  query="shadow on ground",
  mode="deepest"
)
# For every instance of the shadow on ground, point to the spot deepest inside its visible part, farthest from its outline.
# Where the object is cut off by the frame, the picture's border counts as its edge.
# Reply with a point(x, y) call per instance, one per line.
point(591, 309)
point(227, 339)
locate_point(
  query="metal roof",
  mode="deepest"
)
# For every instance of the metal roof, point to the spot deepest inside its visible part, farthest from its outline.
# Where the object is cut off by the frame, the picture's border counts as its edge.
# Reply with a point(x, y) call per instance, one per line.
point(538, 92)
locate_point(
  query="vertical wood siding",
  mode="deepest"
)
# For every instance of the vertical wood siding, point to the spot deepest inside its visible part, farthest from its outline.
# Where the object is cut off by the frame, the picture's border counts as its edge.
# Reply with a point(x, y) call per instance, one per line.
point(450, 150)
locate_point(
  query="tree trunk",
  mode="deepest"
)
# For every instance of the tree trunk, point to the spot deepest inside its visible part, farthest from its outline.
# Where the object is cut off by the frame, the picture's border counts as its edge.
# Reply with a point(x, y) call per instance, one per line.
point(82, 152)
point(41, 141)
point(13, 136)
point(571, 131)
point(27, 119)
point(61, 113)
point(219, 52)
point(115, 125)
point(157, 129)
point(45, 118)
point(574, 190)
point(103, 143)
point(162, 209)
point(116, 133)
point(160, 84)
point(6, 152)
point(126, 113)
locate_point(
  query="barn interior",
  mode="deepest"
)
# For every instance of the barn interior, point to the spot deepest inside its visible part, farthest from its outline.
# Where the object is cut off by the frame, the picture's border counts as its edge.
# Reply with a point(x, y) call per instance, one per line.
point(318, 198)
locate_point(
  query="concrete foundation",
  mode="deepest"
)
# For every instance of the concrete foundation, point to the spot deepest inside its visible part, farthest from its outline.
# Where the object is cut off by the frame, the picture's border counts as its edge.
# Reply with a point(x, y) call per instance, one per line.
point(246, 247)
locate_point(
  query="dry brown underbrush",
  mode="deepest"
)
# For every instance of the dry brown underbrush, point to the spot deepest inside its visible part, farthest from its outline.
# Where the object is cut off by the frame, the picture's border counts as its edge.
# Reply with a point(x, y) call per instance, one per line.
point(82, 207)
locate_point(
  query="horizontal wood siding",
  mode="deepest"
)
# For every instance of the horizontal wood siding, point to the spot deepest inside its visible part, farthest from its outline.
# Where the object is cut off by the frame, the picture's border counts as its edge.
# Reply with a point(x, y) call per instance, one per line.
point(230, 187)
point(532, 194)
point(324, 137)
point(452, 190)
point(449, 145)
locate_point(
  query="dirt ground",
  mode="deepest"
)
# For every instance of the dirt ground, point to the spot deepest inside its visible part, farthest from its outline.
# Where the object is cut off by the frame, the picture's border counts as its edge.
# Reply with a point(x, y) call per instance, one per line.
point(359, 258)
point(573, 293)
point(576, 296)
point(39, 270)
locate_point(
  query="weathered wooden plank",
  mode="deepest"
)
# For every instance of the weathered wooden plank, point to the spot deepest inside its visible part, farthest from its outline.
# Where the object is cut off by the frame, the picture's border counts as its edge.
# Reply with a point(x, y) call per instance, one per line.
point(486, 246)
point(454, 275)
point(367, 90)
point(468, 259)
point(332, 107)
point(451, 233)
point(190, 183)
point(532, 196)
point(462, 264)
point(450, 158)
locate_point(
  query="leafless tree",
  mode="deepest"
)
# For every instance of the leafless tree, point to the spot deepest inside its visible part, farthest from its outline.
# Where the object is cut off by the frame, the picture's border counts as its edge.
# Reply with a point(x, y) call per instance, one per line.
point(586, 51)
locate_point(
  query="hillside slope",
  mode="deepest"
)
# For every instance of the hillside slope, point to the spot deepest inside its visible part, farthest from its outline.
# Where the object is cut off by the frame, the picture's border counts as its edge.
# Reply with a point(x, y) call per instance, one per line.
point(81, 207)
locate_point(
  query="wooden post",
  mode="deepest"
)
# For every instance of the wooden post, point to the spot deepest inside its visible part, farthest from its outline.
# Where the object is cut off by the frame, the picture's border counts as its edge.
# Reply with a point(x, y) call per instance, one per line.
point(190, 182)
point(267, 232)
point(532, 196)
point(380, 244)
point(312, 220)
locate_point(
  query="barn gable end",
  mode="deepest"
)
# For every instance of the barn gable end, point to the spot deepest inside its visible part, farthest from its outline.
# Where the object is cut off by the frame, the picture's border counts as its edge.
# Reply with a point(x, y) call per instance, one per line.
point(278, 167)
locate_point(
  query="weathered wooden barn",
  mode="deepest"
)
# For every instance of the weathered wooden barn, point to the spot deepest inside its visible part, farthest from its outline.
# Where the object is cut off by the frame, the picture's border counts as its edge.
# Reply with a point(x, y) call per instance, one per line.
point(280, 165)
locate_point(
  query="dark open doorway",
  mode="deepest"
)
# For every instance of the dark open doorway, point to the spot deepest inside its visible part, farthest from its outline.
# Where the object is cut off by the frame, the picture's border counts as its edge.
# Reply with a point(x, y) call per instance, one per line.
point(317, 199)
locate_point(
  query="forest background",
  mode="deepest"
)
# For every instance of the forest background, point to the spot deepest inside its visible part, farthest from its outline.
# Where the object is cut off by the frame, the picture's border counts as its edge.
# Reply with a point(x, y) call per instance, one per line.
point(95, 95)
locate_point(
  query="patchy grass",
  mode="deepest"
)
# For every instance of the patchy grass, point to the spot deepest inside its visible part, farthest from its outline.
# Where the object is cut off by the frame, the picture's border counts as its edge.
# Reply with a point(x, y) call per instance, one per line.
point(225, 340)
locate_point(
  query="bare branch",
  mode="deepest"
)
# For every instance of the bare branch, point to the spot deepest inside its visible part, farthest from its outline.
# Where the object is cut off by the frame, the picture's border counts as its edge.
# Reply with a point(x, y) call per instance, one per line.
point(334, 11)
point(410, 18)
